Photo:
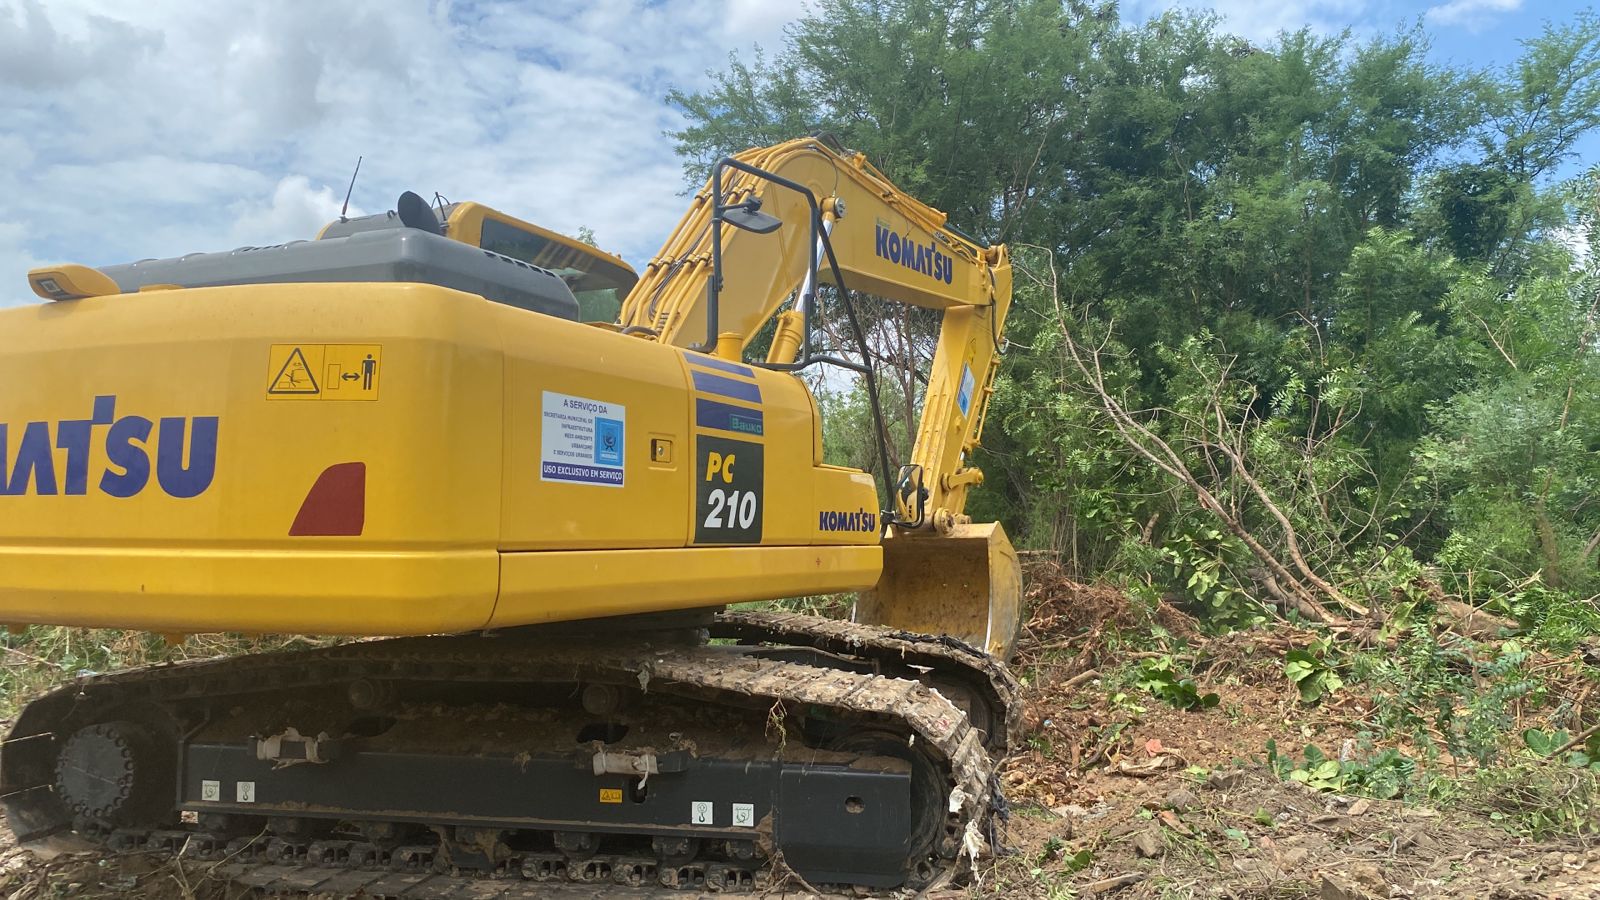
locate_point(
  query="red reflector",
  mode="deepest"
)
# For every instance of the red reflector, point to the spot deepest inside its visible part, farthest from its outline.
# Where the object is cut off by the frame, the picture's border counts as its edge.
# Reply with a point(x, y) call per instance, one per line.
point(336, 504)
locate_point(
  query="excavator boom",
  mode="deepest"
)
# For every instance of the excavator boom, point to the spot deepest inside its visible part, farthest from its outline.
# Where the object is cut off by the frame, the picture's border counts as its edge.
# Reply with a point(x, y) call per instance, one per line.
point(839, 220)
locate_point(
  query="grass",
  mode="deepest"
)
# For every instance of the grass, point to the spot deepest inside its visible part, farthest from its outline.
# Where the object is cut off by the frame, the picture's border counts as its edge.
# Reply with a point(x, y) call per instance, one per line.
point(828, 606)
point(39, 658)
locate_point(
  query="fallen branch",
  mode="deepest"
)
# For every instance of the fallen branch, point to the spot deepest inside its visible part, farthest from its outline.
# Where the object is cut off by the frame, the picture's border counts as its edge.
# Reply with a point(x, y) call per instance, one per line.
point(786, 873)
point(1285, 601)
point(1577, 739)
point(1471, 622)
point(1109, 885)
point(1291, 542)
point(1080, 678)
point(1303, 584)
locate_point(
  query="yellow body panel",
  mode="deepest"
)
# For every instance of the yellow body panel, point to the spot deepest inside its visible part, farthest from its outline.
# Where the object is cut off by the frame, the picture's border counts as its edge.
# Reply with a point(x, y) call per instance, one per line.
point(257, 591)
point(541, 587)
point(647, 381)
point(460, 527)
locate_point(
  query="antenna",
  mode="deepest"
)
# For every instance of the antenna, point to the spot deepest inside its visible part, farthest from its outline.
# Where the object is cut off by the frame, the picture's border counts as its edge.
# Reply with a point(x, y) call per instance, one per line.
point(346, 207)
point(440, 201)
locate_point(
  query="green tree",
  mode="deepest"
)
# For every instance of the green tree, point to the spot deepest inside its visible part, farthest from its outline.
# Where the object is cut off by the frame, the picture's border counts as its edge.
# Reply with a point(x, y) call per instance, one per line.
point(1326, 274)
point(958, 103)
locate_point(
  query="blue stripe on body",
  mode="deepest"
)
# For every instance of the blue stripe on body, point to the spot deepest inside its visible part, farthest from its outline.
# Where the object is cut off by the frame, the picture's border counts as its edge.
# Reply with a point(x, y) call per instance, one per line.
point(727, 387)
point(722, 365)
point(738, 419)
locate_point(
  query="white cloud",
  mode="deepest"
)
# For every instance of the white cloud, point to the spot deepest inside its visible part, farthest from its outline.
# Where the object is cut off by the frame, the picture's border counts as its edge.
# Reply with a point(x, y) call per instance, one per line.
point(14, 258)
point(761, 21)
point(1575, 237)
point(34, 52)
point(296, 210)
point(1475, 15)
point(169, 126)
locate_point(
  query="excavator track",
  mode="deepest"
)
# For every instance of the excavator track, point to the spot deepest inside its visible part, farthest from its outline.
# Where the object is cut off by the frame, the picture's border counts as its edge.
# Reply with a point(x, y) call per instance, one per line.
point(828, 754)
point(984, 687)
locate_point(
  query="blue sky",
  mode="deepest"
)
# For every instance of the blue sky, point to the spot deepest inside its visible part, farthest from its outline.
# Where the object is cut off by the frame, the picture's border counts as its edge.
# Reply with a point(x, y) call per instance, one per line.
point(170, 126)
point(1467, 34)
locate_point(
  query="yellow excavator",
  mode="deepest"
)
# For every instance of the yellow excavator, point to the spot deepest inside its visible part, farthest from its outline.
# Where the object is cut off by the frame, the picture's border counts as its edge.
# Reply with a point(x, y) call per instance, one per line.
point(405, 431)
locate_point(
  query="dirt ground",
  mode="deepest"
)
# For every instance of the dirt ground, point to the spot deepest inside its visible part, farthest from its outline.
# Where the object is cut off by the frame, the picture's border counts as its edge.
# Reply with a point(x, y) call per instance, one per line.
point(1191, 811)
point(1115, 794)
point(1243, 833)
point(1128, 797)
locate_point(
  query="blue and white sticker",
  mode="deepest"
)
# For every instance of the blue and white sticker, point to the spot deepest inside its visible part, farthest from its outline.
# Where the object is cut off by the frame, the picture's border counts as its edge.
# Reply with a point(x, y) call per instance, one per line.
point(964, 393)
point(582, 441)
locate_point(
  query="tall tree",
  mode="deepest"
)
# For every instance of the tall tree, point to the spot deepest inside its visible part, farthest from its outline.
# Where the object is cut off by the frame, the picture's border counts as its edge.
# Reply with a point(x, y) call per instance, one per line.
point(1326, 274)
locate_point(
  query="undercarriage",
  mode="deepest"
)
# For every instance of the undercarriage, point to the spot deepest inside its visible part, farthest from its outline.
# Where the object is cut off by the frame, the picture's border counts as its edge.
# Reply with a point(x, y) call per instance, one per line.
point(720, 753)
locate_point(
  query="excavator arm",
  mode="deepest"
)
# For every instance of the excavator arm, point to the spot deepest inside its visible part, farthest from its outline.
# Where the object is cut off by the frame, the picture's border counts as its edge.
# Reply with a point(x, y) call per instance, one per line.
point(768, 227)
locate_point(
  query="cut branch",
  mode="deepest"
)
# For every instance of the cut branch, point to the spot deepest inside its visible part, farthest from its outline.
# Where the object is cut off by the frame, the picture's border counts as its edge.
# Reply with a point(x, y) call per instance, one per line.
point(1291, 543)
point(1295, 588)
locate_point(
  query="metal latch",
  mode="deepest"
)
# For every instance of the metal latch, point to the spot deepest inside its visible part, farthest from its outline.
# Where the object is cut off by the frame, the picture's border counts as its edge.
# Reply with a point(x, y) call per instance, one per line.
point(613, 763)
point(293, 748)
point(644, 763)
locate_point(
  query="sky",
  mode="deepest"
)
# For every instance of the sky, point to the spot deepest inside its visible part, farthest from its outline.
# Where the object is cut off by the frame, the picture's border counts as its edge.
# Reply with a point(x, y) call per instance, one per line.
point(151, 129)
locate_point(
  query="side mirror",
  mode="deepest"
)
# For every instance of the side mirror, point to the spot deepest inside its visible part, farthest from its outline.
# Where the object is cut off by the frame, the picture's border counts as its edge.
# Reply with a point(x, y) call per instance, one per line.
point(911, 496)
point(747, 216)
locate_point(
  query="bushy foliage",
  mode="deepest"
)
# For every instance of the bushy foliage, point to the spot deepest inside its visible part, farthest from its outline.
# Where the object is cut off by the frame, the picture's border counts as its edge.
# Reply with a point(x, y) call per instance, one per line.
point(1338, 281)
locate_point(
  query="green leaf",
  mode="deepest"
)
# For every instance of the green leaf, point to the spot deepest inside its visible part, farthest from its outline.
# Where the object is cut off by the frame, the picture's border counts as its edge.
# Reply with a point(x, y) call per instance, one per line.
point(1313, 677)
point(1543, 742)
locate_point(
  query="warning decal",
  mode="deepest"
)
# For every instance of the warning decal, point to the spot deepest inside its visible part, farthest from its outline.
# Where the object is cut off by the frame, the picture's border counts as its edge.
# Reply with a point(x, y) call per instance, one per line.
point(324, 371)
point(294, 376)
point(582, 440)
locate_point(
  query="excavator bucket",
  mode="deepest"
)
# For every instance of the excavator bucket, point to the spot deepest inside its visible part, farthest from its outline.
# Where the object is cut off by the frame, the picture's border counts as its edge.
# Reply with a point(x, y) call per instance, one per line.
point(967, 584)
